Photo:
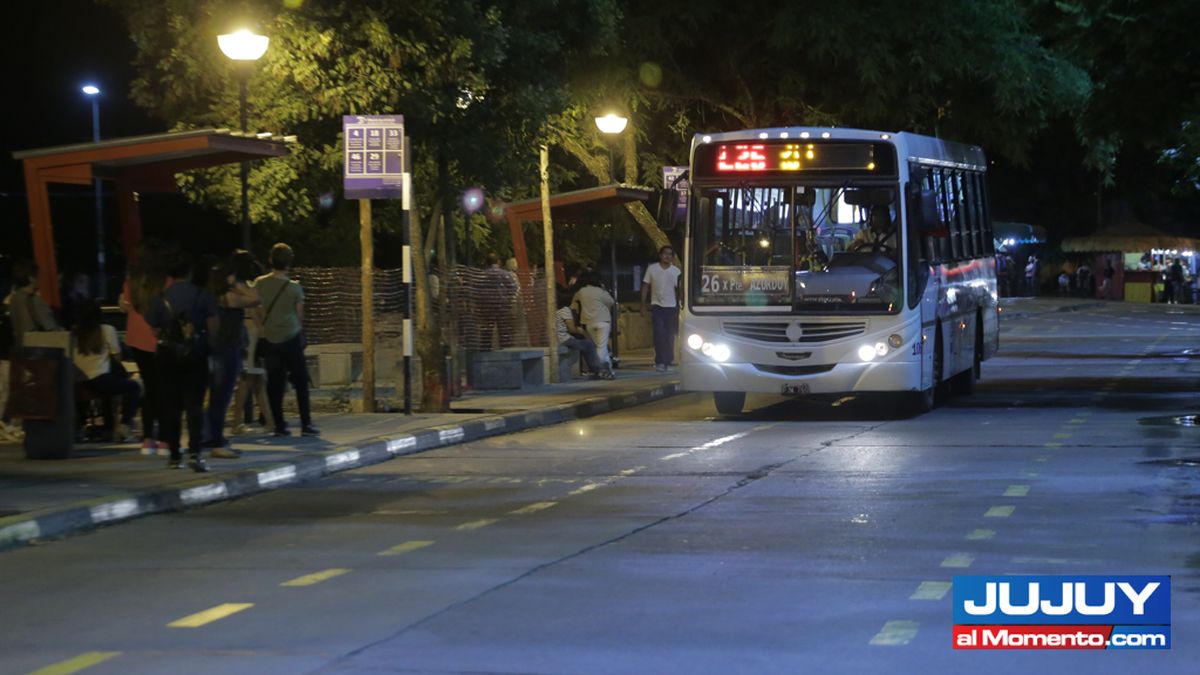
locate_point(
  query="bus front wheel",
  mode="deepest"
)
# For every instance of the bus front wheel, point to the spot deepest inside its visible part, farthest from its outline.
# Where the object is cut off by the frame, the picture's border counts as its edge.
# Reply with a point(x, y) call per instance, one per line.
point(927, 400)
point(729, 402)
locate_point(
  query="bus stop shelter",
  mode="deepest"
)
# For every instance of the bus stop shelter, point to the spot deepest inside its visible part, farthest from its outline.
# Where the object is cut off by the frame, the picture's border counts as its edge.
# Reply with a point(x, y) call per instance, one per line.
point(135, 164)
point(569, 207)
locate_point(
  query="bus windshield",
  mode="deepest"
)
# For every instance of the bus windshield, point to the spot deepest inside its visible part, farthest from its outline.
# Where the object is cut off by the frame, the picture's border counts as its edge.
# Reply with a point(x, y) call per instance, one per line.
point(803, 248)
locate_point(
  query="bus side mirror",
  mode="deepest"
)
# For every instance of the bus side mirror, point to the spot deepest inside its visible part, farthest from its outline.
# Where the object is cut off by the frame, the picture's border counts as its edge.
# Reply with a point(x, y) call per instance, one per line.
point(668, 200)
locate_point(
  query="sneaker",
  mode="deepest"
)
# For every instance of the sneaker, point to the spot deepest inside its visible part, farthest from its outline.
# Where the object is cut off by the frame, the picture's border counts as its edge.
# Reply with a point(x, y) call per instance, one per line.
point(175, 463)
point(660, 368)
point(608, 375)
point(225, 452)
point(309, 430)
point(281, 432)
point(196, 464)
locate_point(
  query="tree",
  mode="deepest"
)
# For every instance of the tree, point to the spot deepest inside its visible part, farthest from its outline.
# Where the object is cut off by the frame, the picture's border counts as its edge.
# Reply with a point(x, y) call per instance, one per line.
point(973, 71)
point(475, 84)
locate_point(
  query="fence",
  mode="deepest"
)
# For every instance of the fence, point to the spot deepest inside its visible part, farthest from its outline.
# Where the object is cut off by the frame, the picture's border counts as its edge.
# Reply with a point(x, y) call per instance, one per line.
point(488, 308)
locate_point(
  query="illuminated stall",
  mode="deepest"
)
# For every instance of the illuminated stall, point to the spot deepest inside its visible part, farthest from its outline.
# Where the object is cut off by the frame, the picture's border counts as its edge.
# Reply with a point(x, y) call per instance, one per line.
point(1141, 256)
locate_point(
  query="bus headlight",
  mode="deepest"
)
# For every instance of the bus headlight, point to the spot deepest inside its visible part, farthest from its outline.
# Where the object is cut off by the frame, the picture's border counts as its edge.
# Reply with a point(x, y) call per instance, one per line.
point(720, 353)
point(895, 341)
point(881, 349)
point(866, 353)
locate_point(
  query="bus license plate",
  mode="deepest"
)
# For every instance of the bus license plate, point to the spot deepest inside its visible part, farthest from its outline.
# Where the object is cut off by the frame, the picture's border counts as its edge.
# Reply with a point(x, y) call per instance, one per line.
point(795, 389)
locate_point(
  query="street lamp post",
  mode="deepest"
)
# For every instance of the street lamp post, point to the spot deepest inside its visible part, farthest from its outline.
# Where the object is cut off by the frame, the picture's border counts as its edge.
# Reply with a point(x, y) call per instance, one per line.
point(610, 125)
point(245, 47)
point(93, 92)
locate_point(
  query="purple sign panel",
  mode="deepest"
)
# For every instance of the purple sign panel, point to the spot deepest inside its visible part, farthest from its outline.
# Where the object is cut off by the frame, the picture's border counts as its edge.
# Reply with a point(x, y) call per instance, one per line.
point(374, 156)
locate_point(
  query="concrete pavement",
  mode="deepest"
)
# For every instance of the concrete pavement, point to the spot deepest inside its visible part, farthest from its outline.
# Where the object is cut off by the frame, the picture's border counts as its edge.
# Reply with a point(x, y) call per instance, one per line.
point(106, 484)
point(109, 483)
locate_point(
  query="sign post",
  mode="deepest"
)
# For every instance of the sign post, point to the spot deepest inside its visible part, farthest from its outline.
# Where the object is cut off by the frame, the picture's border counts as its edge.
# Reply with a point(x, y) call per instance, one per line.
point(375, 168)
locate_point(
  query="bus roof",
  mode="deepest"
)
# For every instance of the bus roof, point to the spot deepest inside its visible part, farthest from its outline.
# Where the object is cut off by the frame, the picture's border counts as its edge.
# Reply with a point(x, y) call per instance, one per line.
point(911, 147)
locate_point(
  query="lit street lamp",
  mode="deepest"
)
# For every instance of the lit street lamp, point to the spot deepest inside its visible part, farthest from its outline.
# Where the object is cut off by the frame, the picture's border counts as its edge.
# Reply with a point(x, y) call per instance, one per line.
point(611, 125)
point(93, 92)
point(245, 47)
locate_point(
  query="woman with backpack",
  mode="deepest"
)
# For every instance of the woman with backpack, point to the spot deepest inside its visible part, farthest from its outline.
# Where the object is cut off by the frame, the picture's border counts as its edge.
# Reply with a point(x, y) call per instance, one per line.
point(228, 284)
point(183, 316)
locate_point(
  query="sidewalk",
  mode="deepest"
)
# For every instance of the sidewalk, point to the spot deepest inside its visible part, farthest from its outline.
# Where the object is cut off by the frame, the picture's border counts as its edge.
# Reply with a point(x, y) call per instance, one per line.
point(104, 484)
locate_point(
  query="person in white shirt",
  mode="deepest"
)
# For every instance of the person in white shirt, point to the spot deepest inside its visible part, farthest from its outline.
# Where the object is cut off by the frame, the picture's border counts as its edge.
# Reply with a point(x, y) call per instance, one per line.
point(571, 337)
point(595, 312)
point(659, 286)
point(98, 356)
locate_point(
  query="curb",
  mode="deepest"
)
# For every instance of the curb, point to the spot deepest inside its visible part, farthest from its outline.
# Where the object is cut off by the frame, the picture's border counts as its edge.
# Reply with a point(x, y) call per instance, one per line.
point(16, 531)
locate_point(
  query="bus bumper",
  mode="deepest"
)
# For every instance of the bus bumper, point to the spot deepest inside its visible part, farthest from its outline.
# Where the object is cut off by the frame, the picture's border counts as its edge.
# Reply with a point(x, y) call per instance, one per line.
point(844, 378)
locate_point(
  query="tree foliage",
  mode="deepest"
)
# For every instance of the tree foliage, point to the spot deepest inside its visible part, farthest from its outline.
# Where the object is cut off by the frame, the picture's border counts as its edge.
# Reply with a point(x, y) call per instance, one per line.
point(475, 82)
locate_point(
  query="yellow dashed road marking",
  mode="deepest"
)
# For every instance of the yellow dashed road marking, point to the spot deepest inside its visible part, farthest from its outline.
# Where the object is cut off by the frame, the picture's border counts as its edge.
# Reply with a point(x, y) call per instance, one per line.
point(931, 590)
point(1052, 445)
point(533, 508)
point(1062, 435)
point(316, 577)
point(1043, 458)
point(1076, 420)
point(585, 488)
point(406, 547)
point(1000, 512)
point(980, 534)
point(1016, 491)
point(958, 560)
point(895, 633)
point(210, 615)
point(75, 664)
point(476, 524)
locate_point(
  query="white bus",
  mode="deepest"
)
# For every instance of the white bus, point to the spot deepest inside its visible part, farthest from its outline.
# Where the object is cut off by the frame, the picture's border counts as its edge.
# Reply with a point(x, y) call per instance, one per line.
point(824, 261)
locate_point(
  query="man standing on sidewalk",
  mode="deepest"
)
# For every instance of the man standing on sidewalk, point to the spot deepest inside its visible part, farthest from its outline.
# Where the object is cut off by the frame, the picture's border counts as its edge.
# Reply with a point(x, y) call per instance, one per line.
point(659, 286)
point(283, 316)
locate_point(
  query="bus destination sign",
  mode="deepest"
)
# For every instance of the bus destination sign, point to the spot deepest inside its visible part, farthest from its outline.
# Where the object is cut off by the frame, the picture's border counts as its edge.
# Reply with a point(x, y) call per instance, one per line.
point(745, 286)
point(765, 157)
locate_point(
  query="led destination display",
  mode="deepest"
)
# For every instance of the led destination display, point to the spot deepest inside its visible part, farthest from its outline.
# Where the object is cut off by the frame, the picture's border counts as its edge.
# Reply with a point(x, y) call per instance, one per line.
point(777, 157)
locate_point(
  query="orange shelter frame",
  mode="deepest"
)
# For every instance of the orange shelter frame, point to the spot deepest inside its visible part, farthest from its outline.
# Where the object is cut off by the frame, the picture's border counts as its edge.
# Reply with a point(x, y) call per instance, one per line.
point(135, 164)
point(568, 207)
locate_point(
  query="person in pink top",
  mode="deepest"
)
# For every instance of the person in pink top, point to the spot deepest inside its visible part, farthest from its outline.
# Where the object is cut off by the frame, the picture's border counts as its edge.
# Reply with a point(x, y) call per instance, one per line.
point(147, 278)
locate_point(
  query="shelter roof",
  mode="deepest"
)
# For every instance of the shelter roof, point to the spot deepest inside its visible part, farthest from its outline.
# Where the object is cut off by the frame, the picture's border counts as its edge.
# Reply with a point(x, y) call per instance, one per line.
point(1128, 237)
point(151, 158)
point(574, 206)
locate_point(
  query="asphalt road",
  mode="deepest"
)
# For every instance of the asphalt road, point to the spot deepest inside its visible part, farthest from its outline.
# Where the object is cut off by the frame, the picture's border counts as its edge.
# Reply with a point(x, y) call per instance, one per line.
point(799, 537)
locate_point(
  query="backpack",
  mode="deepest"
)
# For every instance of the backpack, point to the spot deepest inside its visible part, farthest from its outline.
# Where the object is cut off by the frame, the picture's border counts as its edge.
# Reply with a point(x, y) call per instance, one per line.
point(178, 338)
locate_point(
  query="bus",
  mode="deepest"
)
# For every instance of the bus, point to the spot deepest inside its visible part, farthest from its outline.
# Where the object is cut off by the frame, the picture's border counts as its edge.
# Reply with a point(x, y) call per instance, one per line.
point(826, 261)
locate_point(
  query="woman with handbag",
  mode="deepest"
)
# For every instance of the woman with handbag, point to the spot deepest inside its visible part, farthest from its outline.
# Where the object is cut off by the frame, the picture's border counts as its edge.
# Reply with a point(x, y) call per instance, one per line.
point(283, 330)
point(147, 278)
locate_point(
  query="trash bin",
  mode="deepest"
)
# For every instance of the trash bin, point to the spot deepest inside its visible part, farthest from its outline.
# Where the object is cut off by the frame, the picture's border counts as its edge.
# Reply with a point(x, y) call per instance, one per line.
point(42, 394)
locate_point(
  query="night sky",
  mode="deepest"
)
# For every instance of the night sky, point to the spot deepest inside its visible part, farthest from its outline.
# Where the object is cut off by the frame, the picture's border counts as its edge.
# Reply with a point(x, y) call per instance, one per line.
point(51, 49)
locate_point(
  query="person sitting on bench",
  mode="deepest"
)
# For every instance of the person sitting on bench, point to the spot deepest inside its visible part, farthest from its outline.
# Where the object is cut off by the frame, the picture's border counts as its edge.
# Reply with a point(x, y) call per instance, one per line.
point(571, 337)
point(98, 356)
